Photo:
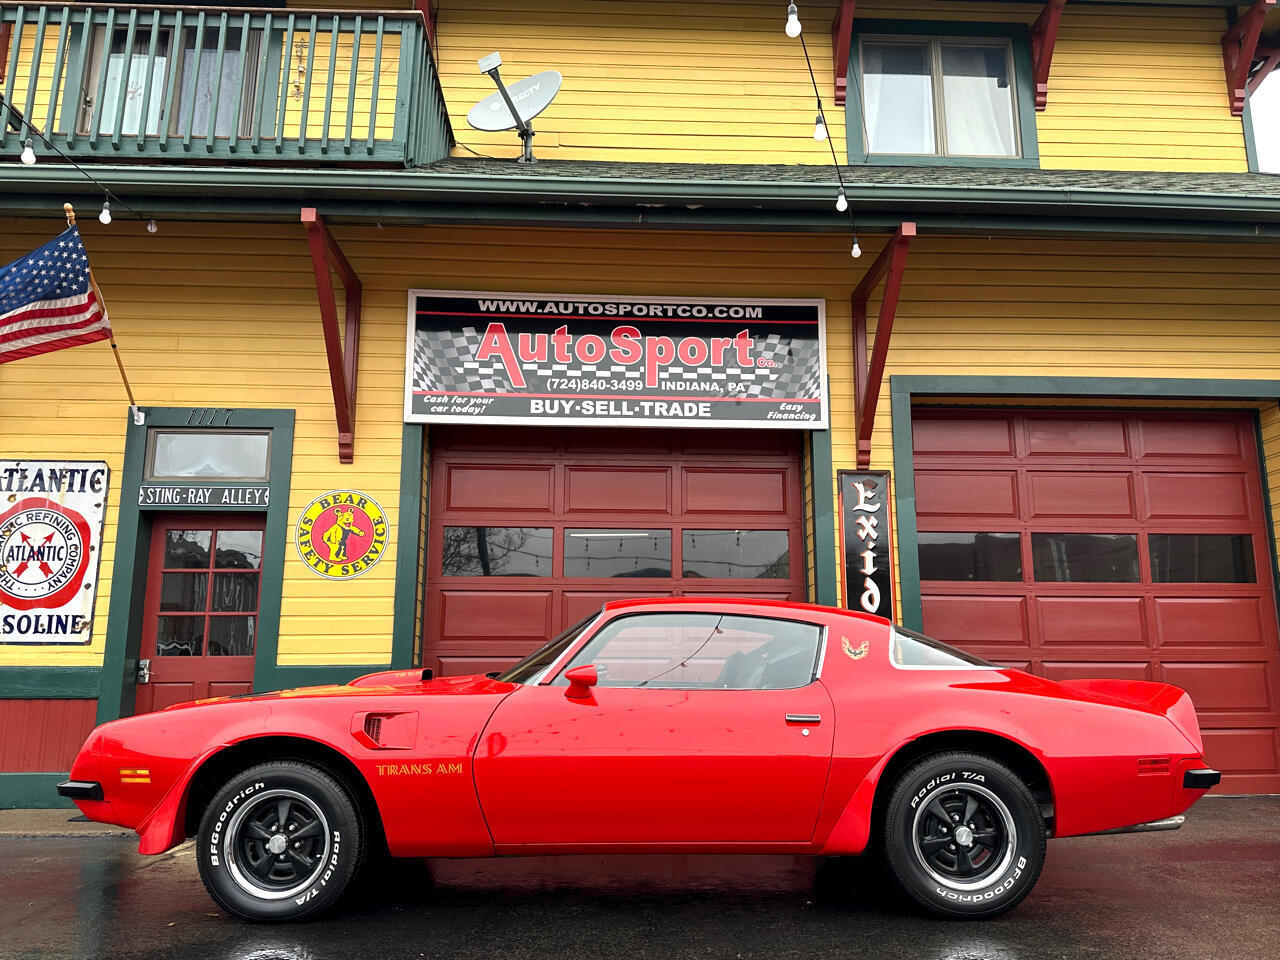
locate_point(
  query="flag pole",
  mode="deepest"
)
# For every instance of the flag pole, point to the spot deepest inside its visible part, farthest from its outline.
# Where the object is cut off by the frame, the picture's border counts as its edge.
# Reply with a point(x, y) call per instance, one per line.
point(139, 417)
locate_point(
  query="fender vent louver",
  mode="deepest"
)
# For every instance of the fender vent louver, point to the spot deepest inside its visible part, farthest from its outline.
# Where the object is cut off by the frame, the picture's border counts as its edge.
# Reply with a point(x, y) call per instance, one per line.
point(1153, 766)
point(373, 728)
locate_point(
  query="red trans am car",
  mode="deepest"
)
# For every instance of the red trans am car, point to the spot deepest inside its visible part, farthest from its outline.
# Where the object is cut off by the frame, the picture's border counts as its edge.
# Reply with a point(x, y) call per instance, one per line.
point(666, 725)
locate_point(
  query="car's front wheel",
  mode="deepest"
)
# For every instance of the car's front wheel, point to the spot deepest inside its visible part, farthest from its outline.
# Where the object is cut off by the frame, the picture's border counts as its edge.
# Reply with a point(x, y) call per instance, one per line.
point(279, 841)
point(963, 836)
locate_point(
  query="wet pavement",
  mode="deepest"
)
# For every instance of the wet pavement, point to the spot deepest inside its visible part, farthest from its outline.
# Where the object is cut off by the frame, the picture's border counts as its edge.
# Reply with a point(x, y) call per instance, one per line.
point(1207, 890)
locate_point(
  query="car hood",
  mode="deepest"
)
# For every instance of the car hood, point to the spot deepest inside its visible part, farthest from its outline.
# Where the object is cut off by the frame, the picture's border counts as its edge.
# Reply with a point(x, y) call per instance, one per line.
point(388, 682)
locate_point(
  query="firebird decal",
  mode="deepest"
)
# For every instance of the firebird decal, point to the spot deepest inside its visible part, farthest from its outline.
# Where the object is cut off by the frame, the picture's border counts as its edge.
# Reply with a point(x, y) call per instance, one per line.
point(853, 654)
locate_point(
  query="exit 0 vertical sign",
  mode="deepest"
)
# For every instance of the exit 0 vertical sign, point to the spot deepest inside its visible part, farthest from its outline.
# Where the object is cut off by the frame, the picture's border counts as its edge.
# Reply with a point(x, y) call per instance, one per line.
point(865, 527)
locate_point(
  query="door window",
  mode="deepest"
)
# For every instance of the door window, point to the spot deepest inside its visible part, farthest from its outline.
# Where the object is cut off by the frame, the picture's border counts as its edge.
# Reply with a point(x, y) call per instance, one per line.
point(209, 581)
point(702, 651)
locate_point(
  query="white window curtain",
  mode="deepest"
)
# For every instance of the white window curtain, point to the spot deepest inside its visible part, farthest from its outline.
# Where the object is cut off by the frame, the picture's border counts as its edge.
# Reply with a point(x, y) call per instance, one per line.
point(977, 100)
point(208, 80)
point(898, 98)
point(135, 92)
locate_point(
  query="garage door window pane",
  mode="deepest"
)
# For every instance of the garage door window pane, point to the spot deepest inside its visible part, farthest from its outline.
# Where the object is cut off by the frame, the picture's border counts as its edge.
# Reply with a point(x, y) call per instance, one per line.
point(617, 553)
point(738, 554)
point(496, 552)
point(1202, 558)
point(1085, 557)
point(970, 556)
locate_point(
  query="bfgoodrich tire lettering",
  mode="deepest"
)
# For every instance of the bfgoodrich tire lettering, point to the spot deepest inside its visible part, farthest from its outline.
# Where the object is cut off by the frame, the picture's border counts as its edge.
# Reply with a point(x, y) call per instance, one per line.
point(280, 841)
point(963, 836)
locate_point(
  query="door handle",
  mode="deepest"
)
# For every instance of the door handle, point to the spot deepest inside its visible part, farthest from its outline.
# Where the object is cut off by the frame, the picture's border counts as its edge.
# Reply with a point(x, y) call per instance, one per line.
point(144, 671)
point(803, 718)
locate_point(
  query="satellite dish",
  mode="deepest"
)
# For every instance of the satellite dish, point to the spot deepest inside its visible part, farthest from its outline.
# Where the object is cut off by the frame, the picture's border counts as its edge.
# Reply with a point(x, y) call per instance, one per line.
point(530, 96)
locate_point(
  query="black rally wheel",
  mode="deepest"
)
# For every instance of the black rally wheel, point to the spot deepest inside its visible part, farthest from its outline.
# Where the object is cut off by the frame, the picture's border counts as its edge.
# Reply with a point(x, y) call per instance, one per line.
point(280, 841)
point(963, 836)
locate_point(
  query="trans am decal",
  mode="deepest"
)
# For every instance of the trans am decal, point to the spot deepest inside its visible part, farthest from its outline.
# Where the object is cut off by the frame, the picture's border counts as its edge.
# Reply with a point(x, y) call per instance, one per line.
point(559, 359)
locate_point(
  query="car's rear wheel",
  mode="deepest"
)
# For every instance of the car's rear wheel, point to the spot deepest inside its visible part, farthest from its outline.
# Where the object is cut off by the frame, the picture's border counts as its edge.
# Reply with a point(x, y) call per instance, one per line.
point(279, 841)
point(963, 836)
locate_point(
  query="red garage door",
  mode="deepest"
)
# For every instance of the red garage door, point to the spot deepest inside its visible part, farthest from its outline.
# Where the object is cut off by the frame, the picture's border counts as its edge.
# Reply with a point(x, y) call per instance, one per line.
point(533, 529)
point(1109, 544)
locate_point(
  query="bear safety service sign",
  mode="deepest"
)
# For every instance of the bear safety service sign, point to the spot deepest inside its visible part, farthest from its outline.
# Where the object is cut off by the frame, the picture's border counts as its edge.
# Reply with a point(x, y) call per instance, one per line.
point(51, 514)
point(341, 534)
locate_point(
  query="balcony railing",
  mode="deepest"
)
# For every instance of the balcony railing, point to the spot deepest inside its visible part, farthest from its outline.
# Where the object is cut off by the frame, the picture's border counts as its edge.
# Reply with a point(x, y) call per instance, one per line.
point(224, 84)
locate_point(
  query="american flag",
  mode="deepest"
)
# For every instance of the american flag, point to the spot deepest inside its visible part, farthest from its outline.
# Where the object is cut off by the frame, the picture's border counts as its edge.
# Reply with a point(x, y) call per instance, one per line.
point(47, 301)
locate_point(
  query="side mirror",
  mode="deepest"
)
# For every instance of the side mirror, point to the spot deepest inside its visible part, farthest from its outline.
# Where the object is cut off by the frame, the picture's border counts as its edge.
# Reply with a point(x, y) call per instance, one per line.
point(581, 680)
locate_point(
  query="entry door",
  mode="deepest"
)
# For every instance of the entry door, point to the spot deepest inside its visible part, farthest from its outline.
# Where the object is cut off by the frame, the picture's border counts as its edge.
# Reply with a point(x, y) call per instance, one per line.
point(201, 626)
point(730, 745)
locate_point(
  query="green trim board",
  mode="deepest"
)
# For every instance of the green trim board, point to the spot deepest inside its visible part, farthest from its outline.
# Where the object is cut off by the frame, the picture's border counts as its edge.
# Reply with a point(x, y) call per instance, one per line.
point(905, 389)
point(824, 520)
point(1024, 90)
point(49, 683)
point(32, 791)
point(1264, 482)
point(409, 521)
point(481, 195)
point(1250, 142)
point(133, 537)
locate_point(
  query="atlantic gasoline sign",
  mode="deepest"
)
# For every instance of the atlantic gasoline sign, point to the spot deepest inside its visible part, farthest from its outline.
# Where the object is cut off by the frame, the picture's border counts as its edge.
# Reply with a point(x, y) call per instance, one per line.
point(51, 514)
point(342, 534)
point(638, 361)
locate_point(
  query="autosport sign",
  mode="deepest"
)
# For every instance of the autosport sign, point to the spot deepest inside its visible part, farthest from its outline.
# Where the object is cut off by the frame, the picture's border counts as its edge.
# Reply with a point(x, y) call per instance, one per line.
point(50, 545)
point(565, 359)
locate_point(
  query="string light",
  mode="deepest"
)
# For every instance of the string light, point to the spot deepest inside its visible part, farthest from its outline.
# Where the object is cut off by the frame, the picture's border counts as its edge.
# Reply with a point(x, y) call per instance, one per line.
point(793, 27)
point(17, 121)
point(821, 133)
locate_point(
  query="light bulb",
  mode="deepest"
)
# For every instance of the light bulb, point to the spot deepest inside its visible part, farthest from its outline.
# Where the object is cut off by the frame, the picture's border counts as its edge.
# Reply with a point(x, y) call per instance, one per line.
point(819, 128)
point(28, 152)
point(152, 226)
point(842, 202)
point(793, 21)
point(105, 216)
point(856, 252)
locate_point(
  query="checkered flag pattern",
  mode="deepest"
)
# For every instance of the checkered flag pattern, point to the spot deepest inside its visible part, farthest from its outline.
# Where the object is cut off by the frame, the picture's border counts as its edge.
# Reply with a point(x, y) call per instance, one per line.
point(444, 360)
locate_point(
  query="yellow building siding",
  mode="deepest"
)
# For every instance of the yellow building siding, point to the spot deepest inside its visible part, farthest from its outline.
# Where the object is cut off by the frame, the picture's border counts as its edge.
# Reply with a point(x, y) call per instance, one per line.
point(242, 330)
point(1130, 88)
point(650, 80)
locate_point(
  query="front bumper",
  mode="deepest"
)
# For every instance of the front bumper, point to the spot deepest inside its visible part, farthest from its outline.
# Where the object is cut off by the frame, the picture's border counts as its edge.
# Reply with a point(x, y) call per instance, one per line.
point(80, 789)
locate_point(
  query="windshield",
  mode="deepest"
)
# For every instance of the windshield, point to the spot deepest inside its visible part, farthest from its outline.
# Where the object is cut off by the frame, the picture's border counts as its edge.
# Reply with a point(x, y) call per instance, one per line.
point(544, 656)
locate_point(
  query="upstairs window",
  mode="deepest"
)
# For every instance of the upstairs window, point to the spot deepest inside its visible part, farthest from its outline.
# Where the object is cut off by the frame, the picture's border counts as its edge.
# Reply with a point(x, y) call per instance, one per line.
point(940, 99)
point(1263, 119)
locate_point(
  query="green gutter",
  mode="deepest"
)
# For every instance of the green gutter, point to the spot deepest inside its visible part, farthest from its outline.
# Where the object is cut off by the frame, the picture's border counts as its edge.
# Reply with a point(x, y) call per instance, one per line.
point(362, 189)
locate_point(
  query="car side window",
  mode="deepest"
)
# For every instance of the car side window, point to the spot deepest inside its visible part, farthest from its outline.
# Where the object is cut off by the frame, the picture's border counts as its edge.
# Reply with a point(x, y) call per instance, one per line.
point(702, 651)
